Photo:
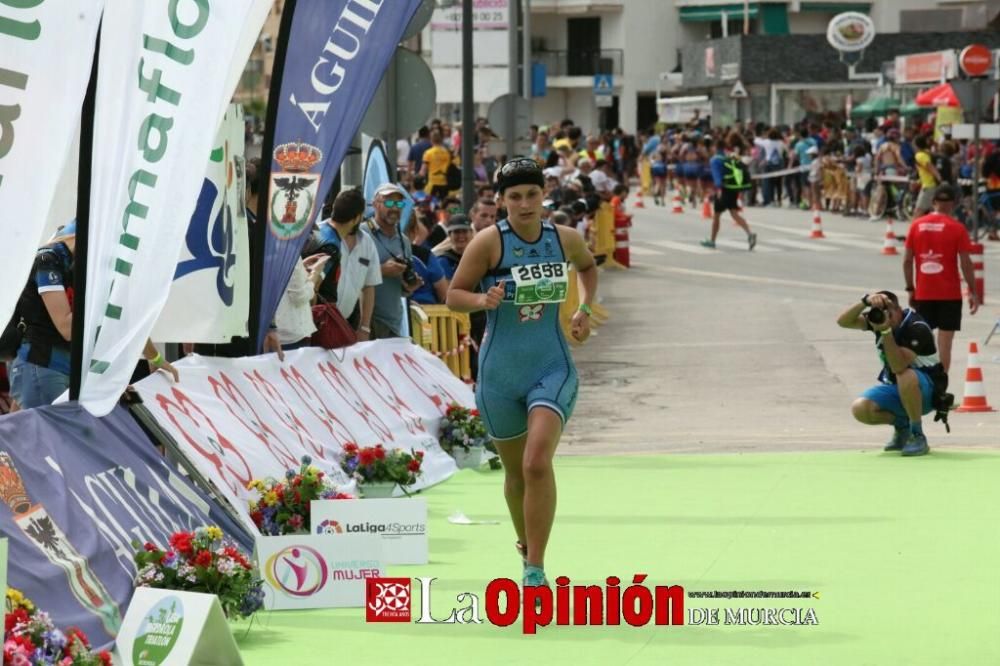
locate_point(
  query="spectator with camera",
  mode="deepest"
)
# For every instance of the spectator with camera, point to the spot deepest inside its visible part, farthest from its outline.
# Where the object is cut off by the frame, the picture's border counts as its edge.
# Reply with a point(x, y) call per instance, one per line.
point(939, 246)
point(353, 271)
point(396, 259)
point(912, 382)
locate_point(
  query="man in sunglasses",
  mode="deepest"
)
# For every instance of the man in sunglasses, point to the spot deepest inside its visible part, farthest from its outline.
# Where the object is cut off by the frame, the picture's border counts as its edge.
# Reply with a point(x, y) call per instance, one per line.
point(395, 255)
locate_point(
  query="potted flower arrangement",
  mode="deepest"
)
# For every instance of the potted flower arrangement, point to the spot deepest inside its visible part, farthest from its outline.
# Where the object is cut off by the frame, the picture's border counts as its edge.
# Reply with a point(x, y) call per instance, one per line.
point(202, 561)
point(282, 507)
point(30, 638)
point(378, 471)
point(463, 436)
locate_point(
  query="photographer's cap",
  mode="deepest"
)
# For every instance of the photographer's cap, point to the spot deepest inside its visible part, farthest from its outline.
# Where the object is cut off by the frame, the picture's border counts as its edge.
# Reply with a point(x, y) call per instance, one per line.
point(458, 222)
point(945, 192)
point(386, 189)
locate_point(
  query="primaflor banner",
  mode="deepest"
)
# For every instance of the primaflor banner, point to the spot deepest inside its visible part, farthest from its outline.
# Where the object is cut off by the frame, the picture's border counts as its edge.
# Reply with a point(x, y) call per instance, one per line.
point(46, 54)
point(253, 418)
point(164, 80)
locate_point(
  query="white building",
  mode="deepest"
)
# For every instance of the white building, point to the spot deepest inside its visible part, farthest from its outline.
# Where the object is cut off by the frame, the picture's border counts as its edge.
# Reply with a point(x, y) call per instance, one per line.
point(638, 40)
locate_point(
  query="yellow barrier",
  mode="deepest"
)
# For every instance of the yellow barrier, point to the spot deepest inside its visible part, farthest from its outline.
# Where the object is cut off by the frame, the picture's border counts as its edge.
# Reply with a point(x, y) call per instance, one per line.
point(604, 239)
point(645, 176)
point(445, 334)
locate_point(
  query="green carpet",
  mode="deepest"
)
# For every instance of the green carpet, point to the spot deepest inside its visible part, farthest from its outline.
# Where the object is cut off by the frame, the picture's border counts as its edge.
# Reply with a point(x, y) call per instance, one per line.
point(904, 554)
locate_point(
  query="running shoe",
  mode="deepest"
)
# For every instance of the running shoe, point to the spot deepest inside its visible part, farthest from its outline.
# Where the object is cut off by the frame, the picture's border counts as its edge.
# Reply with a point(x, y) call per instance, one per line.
point(752, 241)
point(899, 439)
point(916, 446)
point(534, 576)
point(709, 244)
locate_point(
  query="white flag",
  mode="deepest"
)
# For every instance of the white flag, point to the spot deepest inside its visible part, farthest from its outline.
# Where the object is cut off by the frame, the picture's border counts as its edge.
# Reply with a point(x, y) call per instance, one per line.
point(46, 53)
point(210, 296)
point(164, 82)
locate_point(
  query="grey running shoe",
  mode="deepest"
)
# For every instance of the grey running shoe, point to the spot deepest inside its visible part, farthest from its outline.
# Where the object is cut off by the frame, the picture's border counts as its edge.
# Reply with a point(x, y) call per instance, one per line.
point(752, 241)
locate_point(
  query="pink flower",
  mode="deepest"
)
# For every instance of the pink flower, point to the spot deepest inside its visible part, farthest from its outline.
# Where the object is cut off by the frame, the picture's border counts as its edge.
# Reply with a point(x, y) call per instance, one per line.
point(296, 521)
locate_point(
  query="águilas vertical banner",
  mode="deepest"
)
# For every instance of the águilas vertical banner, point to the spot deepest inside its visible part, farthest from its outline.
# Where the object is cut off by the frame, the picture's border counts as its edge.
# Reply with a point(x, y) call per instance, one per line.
point(164, 80)
point(46, 53)
point(334, 55)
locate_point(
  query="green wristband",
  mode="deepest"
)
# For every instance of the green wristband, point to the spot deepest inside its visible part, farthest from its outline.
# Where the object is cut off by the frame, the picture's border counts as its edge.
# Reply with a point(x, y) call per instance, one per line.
point(585, 309)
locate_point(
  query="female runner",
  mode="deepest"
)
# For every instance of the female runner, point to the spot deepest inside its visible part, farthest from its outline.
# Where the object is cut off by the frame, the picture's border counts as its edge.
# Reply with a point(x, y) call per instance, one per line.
point(527, 382)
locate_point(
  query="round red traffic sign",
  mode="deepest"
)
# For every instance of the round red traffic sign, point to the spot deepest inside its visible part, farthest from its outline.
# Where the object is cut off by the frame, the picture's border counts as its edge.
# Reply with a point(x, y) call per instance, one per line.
point(975, 59)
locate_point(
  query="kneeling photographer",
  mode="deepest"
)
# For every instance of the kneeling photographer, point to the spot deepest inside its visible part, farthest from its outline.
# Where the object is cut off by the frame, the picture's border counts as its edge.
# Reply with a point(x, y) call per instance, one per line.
point(912, 382)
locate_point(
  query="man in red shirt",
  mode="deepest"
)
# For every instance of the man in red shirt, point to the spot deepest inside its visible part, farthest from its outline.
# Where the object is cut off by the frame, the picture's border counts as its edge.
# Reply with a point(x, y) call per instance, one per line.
point(939, 245)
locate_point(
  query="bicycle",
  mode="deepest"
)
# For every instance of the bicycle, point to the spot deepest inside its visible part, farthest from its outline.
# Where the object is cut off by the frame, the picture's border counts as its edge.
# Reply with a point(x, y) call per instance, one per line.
point(986, 215)
point(904, 199)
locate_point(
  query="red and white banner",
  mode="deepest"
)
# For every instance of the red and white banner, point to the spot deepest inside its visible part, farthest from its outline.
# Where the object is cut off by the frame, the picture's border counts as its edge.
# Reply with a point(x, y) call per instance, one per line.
point(252, 418)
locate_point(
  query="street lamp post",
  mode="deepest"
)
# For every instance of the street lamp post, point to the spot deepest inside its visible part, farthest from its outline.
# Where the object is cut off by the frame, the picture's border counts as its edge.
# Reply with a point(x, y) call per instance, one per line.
point(468, 112)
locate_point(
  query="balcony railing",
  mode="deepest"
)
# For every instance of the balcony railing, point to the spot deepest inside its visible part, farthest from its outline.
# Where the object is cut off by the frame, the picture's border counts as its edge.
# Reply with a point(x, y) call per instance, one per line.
point(584, 62)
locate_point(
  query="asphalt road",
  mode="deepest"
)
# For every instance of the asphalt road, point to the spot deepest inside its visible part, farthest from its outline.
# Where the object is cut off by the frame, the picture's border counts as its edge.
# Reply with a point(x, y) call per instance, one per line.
point(728, 350)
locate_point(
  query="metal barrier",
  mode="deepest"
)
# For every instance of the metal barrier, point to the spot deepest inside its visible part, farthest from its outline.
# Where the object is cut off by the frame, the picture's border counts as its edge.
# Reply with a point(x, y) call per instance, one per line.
point(445, 334)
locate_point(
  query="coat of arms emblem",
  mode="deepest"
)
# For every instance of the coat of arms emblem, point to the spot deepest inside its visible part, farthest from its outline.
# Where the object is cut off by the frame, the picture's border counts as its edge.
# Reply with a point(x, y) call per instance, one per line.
point(294, 190)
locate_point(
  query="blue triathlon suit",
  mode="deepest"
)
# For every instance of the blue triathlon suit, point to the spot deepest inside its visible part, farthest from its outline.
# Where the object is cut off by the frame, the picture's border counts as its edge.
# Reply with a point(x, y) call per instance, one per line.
point(524, 361)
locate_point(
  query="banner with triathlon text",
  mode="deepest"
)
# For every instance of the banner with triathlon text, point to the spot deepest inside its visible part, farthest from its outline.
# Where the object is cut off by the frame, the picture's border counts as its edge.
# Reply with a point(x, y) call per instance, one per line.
point(334, 54)
point(75, 492)
point(46, 55)
point(210, 296)
point(252, 418)
point(164, 81)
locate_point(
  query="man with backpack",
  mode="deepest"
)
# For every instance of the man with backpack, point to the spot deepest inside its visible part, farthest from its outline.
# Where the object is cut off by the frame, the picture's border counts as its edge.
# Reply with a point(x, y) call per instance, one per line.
point(731, 177)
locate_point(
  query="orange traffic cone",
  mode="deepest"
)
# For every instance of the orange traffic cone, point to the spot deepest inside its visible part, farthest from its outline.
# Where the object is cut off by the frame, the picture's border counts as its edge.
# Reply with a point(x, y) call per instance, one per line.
point(974, 398)
point(889, 246)
point(678, 206)
point(638, 202)
point(817, 230)
point(706, 208)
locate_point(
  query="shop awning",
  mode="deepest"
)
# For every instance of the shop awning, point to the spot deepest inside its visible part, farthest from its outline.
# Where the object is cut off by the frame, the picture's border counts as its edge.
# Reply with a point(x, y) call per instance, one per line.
point(913, 109)
point(876, 107)
point(940, 95)
point(732, 12)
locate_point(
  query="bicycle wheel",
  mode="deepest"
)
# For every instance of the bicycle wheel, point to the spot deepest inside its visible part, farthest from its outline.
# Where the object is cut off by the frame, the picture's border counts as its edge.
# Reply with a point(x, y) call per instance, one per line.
point(876, 206)
point(907, 205)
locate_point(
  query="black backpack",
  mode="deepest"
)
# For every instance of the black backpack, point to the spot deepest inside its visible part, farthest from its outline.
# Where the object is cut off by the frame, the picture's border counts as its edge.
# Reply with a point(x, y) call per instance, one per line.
point(453, 176)
point(10, 339)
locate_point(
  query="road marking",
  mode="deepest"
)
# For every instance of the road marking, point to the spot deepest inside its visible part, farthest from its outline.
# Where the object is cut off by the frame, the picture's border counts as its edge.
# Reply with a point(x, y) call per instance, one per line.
point(813, 246)
point(757, 279)
point(738, 245)
point(643, 251)
point(682, 247)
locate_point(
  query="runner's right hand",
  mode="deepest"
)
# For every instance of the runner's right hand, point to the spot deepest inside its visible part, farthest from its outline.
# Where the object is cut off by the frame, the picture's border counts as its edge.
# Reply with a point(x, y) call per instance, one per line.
point(493, 296)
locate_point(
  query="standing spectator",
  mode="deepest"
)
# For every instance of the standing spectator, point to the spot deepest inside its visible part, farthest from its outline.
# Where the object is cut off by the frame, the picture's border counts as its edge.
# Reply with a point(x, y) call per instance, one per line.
point(929, 176)
point(459, 233)
point(483, 214)
point(434, 287)
point(774, 160)
point(939, 244)
point(357, 272)
point(437, 159)
point(395, 256)
point(415, 160)
point(293, 317)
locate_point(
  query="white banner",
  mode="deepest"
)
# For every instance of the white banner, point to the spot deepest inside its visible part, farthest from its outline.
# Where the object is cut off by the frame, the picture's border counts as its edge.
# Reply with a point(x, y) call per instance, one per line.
point(46, 54)
point(210, 296)
point(253, 418)
point(163, 85)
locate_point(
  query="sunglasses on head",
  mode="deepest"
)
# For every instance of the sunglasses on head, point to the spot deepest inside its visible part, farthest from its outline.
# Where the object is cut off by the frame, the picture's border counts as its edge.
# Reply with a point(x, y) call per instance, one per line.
point(518, 164)
point(389, 203)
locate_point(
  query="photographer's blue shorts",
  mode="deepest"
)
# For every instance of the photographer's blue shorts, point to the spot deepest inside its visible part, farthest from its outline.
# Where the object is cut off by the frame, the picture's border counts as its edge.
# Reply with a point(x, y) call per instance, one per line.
point(886, 396)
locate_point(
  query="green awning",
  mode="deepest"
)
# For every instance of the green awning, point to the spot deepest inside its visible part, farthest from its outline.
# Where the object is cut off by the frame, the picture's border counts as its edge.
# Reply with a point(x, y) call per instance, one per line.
point(876, 107)
point(733, 12)
point(913, 109)
point(835, 7)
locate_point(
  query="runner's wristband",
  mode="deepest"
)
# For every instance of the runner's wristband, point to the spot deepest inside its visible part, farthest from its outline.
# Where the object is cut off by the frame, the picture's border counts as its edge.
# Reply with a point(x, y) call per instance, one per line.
point(585, 309)
point(156, 360)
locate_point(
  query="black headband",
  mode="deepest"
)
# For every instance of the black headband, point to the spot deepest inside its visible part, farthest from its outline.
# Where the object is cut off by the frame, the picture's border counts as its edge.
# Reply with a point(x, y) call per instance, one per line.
point(520, 171)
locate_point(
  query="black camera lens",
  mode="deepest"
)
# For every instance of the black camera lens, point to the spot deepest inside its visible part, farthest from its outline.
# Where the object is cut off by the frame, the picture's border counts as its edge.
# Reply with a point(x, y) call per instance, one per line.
point(875, 316)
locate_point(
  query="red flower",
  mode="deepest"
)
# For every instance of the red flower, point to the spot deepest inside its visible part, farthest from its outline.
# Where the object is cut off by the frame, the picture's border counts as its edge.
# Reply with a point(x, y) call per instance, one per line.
point(474, 412)
point(366, 457)
point(11, 620)
point(379, 452)
point(296, 521)
point(105, 657)
point(297, 481)
point(419, 455)
point(350, 448)
point(24, 641)
point(181, 542)
point(150, 547)
point(342, 496)
point(203, 559)
point(257, 517)
point(413, 466)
